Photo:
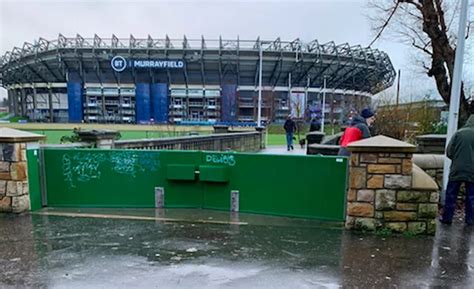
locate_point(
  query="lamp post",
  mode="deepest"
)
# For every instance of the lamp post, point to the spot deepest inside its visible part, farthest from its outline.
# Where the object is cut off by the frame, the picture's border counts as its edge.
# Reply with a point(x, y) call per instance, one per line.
point(324, 104)
point(259, 107)
point(455, 91)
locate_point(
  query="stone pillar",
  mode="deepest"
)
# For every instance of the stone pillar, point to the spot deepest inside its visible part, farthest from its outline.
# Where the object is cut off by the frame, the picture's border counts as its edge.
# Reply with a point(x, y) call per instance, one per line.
point(221, 129)
point(104, 139)
point(387, 191)
point(14, 192)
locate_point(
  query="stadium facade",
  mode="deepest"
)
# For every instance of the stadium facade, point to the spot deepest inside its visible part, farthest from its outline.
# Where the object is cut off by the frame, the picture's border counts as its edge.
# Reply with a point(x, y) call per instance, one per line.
point(189, 81)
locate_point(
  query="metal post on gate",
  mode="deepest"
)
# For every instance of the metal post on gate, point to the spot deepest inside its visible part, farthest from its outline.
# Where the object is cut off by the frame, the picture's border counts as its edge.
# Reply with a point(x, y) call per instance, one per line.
point(42, 169)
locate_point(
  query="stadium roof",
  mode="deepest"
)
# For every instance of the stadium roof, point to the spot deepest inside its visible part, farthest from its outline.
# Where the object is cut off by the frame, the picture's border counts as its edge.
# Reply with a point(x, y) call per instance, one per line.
point(208, 61)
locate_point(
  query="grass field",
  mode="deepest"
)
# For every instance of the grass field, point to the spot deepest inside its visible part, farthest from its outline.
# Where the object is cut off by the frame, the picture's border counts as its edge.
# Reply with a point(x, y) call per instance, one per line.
point(55, 131)
point(54, 136)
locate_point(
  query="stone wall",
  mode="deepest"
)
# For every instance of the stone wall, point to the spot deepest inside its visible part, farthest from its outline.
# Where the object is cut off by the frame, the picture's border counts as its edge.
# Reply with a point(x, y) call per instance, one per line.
point(431, 143)
point(432, 164)
point(385, 192)
point(14, 195)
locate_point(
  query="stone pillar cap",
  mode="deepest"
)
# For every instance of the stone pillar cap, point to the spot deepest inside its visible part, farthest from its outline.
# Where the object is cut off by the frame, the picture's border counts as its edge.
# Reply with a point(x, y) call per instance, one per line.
point(10, 135)
point(381, 143)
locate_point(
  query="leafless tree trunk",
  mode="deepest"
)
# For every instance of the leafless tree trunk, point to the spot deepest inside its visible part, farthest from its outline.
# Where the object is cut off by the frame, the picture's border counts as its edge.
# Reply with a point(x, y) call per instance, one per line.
point(422, 24)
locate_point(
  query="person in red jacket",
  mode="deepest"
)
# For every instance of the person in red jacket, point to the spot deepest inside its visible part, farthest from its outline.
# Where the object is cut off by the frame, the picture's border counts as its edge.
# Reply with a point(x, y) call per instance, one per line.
point(358, 129)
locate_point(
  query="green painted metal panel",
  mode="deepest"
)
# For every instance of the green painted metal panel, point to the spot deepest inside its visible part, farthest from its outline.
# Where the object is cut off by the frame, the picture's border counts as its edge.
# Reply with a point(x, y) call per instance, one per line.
point(216, 174)
point(216, 195)
point(34, 185)
point(302, 186)
point(101, 178)
point(180, 193)
point(181, 172)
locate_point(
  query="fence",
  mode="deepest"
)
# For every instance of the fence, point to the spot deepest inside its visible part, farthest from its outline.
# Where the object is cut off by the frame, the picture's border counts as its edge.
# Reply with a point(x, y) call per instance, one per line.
point(242, 141)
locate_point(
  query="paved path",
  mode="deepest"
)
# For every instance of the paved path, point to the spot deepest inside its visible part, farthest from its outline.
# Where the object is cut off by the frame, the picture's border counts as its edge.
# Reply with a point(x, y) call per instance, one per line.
point(281, 150)
point(126, 248)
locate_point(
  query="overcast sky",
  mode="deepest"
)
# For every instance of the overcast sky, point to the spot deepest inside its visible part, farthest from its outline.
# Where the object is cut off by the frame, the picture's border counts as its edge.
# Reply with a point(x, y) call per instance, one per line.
point(325, 20)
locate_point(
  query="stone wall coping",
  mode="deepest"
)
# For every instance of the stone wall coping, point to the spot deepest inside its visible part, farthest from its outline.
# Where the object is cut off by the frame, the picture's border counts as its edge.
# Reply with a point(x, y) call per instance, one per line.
point(316, 145)
point(381, 143)
point(422, 181)
point(429, 161)
point(432, 136)
point(68, 145)
point(316, 133)
point(9, 135)
point(183, 139)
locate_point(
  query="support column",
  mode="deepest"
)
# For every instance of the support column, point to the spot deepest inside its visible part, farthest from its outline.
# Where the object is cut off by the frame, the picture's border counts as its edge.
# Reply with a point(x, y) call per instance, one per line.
point(142, 102)
point(50, 102)
point(74, 94)
point(35, 104)
point(22, 102)
point(10, 100)
point(14, 103)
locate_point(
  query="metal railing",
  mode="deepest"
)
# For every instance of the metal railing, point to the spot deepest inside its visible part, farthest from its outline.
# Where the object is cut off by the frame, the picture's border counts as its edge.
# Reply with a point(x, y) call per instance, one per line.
point(239, 141)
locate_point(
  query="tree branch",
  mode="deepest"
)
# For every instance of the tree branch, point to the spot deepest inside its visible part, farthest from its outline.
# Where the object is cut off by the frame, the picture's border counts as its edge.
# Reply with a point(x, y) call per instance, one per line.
point(440, 13)
point(421, 48)
point(417, 5)
point(385, 24)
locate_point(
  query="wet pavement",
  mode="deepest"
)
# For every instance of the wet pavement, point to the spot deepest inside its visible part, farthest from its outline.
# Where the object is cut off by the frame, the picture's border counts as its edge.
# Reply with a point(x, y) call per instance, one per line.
point(207, 249)
point(282, 150)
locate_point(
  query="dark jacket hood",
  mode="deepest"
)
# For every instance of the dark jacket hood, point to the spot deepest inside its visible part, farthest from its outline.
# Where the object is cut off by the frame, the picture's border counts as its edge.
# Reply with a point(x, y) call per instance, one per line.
point(470, 122)
point(356, 119)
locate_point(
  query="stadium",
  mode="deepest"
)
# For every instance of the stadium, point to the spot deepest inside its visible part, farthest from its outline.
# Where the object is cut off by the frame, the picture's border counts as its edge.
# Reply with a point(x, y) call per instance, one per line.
point(186, 81)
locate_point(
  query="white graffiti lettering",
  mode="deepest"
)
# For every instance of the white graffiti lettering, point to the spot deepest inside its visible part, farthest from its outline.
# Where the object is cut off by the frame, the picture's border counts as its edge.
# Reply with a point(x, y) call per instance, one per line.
point(221, 159)
point(67, 171)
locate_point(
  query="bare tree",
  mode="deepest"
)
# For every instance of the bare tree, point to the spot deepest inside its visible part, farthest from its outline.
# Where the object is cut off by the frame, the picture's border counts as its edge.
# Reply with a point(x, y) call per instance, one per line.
point(427, 26)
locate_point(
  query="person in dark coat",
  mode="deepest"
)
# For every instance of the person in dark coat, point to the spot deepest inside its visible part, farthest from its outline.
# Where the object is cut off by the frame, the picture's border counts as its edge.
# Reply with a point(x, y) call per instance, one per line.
point(461, 152)
point(290, 128)
point(358, 129)
point(315, 125)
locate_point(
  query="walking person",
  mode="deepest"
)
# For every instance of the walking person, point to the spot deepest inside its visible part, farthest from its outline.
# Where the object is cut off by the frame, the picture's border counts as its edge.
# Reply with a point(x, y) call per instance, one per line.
point(315, 124)
point(461, 152)
point(358, 129)
point(290, 128)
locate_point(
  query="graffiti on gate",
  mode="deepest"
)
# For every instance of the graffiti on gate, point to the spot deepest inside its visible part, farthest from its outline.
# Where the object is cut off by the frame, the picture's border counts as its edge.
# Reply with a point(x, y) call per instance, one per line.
point(221, 159)
point(86, 166)
point(124, 162)
point(148, 161)
point(82, 167)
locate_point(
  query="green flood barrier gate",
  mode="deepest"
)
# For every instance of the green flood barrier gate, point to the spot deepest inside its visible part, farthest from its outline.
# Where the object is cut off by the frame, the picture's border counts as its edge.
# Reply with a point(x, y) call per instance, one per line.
point(298, 186)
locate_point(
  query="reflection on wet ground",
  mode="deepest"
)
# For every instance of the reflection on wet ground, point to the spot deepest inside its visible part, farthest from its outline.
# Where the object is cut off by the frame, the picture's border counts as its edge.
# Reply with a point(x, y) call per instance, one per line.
point(205, 251)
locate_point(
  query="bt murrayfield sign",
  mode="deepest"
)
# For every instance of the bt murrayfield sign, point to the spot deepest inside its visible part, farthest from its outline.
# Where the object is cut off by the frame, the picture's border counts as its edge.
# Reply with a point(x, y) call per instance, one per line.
point(119, 63)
